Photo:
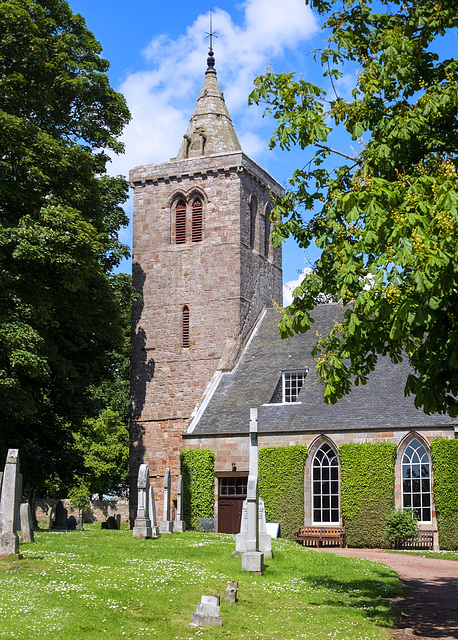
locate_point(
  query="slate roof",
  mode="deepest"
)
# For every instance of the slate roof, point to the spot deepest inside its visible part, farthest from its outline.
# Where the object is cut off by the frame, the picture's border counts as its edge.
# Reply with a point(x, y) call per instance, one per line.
point(380, 404)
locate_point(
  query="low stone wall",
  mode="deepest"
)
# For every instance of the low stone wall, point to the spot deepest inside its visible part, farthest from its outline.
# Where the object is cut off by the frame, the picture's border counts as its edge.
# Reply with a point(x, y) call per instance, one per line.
point(99, 510)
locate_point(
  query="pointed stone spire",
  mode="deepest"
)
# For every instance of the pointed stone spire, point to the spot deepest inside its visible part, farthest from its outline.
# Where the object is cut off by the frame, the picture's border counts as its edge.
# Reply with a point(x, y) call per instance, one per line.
point(210, 129)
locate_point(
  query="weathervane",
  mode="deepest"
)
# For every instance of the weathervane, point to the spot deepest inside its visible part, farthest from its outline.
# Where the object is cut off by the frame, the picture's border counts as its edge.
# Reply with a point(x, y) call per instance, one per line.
point(211, 34)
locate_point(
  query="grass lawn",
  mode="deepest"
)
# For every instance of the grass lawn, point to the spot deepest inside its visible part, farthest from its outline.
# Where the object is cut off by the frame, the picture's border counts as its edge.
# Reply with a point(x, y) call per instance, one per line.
point(104, 584)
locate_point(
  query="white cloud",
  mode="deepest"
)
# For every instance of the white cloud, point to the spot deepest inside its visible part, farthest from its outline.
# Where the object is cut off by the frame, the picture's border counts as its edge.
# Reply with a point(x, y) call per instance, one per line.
point(288, 287)
point(162, 98)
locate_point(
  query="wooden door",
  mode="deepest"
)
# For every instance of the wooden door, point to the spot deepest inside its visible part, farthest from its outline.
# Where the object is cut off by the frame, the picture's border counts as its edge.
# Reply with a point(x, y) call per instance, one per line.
point(231, 494)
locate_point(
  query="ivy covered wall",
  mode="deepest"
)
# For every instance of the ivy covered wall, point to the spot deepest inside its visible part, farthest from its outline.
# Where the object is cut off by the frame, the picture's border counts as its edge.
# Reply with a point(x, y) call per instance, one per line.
point(197, 469)
point(444, 454)
point(281, 486)
point(367, 491)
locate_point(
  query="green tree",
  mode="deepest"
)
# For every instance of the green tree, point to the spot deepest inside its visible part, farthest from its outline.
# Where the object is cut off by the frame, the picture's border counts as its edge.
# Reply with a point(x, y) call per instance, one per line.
point(60, 313)
point(385, 217)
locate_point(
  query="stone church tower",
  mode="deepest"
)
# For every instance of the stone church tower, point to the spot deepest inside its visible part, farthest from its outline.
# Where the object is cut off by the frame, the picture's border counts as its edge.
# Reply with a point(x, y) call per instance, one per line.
point(205, 269)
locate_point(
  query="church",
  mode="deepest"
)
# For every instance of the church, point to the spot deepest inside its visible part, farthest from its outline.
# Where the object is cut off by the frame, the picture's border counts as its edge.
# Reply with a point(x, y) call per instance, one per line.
point(205, 344)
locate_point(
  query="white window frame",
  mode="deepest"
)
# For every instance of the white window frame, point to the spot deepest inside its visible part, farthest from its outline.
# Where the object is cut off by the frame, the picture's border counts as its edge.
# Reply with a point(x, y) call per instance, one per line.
point(286, 391)
point(330, 494)
point(416, 460)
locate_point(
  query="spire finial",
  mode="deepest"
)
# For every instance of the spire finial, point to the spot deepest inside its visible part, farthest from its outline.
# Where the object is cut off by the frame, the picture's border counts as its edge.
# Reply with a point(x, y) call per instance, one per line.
point(211, 34)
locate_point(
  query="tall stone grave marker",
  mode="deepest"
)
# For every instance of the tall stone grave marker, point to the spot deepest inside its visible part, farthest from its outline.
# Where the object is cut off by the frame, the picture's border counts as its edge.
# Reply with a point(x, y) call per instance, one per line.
point(142, 524)
point(179, 524)
point(166, 525)
point(26, 523)
point(152, 513)
point(60, 518)
point(247, 543)
point(9, 539)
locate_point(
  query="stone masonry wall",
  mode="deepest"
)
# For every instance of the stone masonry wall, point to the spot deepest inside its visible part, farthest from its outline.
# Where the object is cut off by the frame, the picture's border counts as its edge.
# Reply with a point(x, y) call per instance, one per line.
point(224, 287)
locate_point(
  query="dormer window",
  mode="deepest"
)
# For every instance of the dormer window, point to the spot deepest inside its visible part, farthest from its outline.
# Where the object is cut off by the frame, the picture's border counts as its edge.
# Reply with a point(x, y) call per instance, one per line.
point(288, 387)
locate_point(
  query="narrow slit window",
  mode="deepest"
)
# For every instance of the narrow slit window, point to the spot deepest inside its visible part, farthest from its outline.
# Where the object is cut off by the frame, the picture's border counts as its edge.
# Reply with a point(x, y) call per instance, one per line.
point(185, 322)
point(180, 223)
point(267, 232)
point(197, 220)
point(253, 213)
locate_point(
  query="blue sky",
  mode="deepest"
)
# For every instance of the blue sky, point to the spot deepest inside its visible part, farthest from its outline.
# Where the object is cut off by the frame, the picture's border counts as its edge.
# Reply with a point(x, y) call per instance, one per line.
point(158, 56)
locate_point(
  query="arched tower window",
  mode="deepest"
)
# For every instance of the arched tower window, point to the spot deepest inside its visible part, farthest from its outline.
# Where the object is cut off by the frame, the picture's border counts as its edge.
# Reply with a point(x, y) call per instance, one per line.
point(267, 231)
point(197, 220)
point(253, 212)
point(416, 480)
point(185, 326)
point(180, 222)
point(325, 486)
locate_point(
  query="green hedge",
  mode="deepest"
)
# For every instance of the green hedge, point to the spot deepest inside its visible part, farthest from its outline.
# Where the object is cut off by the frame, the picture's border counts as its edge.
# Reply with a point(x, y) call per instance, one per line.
point(367, 492)
point(198, 471)
point(444, 454)
point(281, 486)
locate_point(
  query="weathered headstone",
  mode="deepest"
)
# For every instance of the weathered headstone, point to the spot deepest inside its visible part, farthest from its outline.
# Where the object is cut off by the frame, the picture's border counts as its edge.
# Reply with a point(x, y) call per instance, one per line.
point(152, 514)
point(166, 525)
point(60, 518)
point(142, 524)
point(118, 521)
point(231, 591)
point(26, 523)
point(9, 539)
point(111, 523)
point(18, 500)
point(50, 517)
point(207, 613)
point(206, 525)
point(71, 523)
point(179, 524)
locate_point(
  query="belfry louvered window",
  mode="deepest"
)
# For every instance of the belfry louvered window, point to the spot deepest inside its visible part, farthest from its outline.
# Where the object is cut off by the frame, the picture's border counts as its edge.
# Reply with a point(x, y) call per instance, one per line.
point(180, 222)
point(185, 323)
point(197, 220)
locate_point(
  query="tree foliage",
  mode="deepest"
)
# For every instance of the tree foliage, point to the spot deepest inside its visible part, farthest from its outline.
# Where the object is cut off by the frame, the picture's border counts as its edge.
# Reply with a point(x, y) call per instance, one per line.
point(60, 314)
point(385, 217)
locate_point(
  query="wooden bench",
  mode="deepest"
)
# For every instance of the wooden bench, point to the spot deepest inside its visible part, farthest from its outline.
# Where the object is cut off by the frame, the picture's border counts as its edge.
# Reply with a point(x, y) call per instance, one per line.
point(320, 536)
point(424, 540)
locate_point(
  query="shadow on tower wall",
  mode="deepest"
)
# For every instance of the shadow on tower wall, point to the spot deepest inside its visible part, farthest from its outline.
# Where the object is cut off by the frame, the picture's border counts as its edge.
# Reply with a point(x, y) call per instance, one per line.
point(142, 372)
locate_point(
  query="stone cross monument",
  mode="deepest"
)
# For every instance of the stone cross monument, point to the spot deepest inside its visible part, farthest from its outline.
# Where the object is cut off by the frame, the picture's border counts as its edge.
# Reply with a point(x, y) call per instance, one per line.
point(166, 525)
point(248, 543)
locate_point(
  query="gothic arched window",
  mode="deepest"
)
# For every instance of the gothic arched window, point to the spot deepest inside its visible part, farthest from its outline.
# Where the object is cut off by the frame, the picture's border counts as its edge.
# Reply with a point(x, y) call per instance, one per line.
point(267, 231)
point(197, 220)
point(416, 480)
point(325, 486)
point(180, 222)
point(253, 213)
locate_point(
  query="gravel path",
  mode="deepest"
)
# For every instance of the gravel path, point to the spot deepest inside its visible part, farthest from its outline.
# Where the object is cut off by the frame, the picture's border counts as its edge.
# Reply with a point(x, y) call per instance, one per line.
point(430, 606)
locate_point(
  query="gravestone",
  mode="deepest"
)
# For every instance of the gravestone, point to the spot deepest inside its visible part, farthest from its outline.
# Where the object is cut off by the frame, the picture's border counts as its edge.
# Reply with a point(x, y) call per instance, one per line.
point(9, 539)
point(206, 525)
point(207, 613)
point(118, 521)
point(18, 500)
point(253, 543)
point(247, 541)
point(231, 591)
point(111, 523)
point(71, 523)
point(179, 524)
point(26, 523)
point(152, 513)
point(60, 518)
point(265, 539)
point(142, 524)
point(166, 525)
point(50, 517)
